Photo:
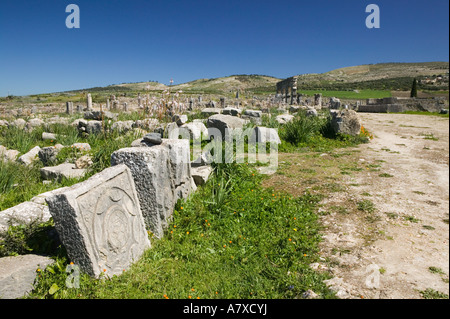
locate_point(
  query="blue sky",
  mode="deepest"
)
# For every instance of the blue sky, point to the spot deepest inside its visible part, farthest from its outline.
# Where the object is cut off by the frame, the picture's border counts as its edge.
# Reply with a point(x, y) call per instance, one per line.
point(131, 41)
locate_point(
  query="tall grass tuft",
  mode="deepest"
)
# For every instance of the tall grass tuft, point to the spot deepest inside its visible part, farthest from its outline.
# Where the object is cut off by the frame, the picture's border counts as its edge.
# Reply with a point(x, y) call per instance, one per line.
point(302, 128)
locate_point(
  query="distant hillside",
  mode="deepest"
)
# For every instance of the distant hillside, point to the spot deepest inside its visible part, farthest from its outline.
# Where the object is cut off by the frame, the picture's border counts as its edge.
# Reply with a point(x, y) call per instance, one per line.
point(383, 76)
point(227, 84)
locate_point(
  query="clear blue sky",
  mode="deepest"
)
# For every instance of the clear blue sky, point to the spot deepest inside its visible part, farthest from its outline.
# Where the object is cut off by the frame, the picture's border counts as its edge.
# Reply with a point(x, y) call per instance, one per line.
point(131, 41)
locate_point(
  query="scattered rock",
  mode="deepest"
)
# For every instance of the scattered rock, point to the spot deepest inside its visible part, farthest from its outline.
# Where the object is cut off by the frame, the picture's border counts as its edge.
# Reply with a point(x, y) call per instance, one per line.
point(224, 122)
point(122, 126)
point(311, 112)
point(8, 155)
point(48, 155)
point(49, 136)
point(180, 119)
point(153, 138)
point(284, 118)
point(309, 294)
point(211, 111)
point(19, 123)
point(19, 273)
point(345, 122)
point(231, 111)
point(195, 129)
point(29, 157)
point(97, 115)
point(201, 174)
point(33, 123)
point(67, 170)
point(335, 103)
point(84, 161)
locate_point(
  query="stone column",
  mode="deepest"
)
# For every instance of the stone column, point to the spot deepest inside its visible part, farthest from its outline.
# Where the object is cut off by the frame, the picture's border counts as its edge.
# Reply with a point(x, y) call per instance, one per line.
point(318, 99)
point(89, 102)
point(69, 108)
point(139, 101)
point(108, 106)
point(125, 106)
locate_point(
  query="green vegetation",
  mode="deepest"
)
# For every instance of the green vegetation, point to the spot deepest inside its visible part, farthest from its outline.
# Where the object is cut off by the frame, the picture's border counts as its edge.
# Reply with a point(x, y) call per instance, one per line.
point(366, 206)
point(19, 183)
point(349, 94)
point(430, 293)
point(231, 239)
point(309, 133)
point(414, 89)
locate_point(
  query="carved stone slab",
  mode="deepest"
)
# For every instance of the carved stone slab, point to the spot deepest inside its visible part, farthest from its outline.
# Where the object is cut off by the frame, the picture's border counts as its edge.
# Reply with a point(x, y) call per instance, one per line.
point(162, 174)
point(100, 222)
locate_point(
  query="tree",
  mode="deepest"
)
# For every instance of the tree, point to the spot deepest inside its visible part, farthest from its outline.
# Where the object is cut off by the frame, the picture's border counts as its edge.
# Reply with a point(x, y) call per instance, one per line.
point(414, 89)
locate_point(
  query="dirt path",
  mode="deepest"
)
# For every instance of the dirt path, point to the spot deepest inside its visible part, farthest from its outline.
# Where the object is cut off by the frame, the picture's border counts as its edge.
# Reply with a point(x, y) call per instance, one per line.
point(387, 207)
point(410, 194)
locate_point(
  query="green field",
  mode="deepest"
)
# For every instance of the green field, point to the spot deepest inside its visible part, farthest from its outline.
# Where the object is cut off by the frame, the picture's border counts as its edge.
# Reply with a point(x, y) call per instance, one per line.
point(361, 95)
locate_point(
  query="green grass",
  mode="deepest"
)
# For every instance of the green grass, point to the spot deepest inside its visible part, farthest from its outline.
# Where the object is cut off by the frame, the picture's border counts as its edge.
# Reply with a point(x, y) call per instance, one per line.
point(362, 95)
point(366, 206)
point(231, 239)
point(430, 293)
point(19, 183)
point(424, 113)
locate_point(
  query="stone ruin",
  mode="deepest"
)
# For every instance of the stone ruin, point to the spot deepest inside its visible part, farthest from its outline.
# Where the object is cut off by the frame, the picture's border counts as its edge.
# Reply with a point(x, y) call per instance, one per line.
point(287, 89)
point(100, 223)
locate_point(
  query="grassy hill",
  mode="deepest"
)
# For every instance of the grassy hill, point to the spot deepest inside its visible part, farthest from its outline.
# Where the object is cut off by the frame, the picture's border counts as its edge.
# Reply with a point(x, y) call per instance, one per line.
point(383, 76)
point(372, 80)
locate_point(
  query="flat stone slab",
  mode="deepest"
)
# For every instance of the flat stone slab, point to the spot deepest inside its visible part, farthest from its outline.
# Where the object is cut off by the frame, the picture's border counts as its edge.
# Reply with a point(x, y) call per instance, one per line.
point(35, 210)
point(66, 170)
point(201, 174)
point(30, 156)
point(18, 273)
point(100, 223)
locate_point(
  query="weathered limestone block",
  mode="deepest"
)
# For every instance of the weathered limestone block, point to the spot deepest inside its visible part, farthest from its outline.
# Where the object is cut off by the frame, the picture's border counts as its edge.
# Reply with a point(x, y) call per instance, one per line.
point(335, 103)
point(8, 155)
point(180, 119)
point(30, 156)
point(24, 213)
point(99, 221)
point(67, 170)
point(224, 122)
point(345, 122)
point(284, 118)
point(231, 111)
point(122, 126)
point(150, 169)
point(253, 113)
point(49, 136)
point(201, 174)
point(18, 274)
point(211, 111)
point(162, 176)
point(33, 123)
point(195, 129)
point(180, 167)
point(48, 155)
